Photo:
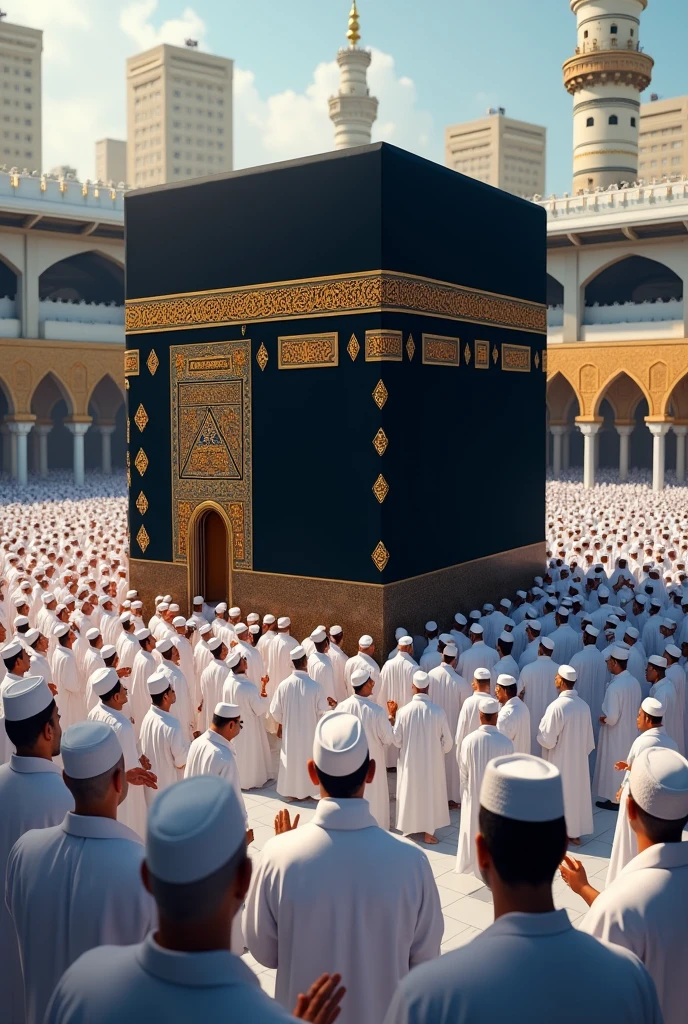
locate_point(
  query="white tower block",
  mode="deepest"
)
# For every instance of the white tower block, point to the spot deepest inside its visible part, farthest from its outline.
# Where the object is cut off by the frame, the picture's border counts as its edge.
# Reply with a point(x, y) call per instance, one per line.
point(353, 110)
point(605, 78)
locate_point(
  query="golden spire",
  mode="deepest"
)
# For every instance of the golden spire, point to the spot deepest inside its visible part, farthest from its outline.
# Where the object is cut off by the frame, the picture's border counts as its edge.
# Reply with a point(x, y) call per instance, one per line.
point(353, 35)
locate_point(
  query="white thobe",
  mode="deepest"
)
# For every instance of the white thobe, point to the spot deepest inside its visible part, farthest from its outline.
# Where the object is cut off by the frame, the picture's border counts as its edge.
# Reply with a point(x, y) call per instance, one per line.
point(320, 669)
point(339, 660)
point(478, 655)
point(379, 734)
point(591, 682)
point(449, 690)
point(264, 641)
point(469, 720)
point(566, 643)
point(644, 910)
point(40, 666)
point(127, 649)
point(138, 983)
point(535, 953)
point(71, 699)
point(530, 653)
point(652, 639)
point(505, 666)
point(379, 919)
point(538, 681)
point(202, 658)
point(110, 627)
point(139, 698)
point(187, 665)
point(364, 661)
point(254, 664)
point(251, 747)
point(625, 844)
point(213, 679)
point(132, 812)
point(665, 692)
point(396, 682)
point(212, 754)
point(461, 640)
point(297, 705)
point(620, 707)
point(565, 735)
point(430, 658)
point(164, 743)
point(677, 675)
point(422, 733)
point(476, 750)
point(514, 721)
point(183, 709)
point(32, 795)
point(70, 888)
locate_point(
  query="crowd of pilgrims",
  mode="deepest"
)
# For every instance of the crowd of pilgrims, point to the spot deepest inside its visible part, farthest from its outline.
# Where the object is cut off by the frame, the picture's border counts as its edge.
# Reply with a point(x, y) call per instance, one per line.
point(128, 736)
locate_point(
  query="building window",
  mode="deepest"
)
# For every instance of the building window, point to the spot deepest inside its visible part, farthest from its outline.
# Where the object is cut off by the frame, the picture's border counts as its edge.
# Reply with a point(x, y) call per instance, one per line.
point(632, 122)
point(613, 119)
point(585, 34)
point(614, 30)
point(590, 122)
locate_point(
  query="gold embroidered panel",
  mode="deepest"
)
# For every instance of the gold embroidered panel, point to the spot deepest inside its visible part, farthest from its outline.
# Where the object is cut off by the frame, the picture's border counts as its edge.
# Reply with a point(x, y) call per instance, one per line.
point(304, 351)
point(383, 346)
point(131, 362)
point(482, 355)
point(516, 357)
point(373, 291)
point(441, 351)
point(211, 439)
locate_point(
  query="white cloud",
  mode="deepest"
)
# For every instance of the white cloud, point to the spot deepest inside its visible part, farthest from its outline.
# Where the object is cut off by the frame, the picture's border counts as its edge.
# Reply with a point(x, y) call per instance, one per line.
point(135, 22)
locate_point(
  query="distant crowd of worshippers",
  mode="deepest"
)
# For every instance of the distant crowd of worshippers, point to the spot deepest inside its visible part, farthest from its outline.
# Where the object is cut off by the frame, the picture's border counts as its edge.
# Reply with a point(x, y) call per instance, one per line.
point(129, 737)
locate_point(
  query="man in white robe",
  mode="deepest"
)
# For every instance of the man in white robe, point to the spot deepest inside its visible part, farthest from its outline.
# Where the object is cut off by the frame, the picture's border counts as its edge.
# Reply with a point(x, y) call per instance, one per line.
point(619, 729)
point(109, 624)
point(212, 752)
point(183, 708)
point(514, 718)
point(127, 644)
point(268, 636)
point(422, 733)
point(142, 669)
point(396, 683)
point(479, 655)
point(537, 687)
point(71, 698)
point(364, 659)
point(90, 863)
point(186, 657)
point(202, 658)
point(591, 679)
point(459, 633)
point(449, 690)
point(162, 739)
point(469, 716)
point(676, 674)
point(477, 749)
point(385, 901)
point(663, 690)
point(251, 746)
point(507, 665)
point(38, 649)
point(567, 641)
point(254, 663)
point(339, 660)
point(297, 705)
point(533, 632)
point(213, 679)
point(566, 737)
point(319, 664)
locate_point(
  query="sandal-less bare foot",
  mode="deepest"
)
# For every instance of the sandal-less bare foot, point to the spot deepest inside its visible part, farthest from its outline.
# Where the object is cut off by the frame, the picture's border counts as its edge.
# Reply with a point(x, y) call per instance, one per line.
point(431, 840)
point(575, 842)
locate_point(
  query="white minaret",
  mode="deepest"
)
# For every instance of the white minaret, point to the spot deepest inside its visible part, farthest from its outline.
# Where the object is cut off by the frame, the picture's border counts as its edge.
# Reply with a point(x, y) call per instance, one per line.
point(605, 79)
point(353, 110)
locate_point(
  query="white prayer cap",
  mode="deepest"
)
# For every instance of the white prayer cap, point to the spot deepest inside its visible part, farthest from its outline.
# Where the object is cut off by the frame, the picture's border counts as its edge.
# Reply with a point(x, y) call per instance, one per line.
point(405, 641)
point(252, 617)
point(191, 623)
point(335, 630)
point(562, 611)
point(431, 626)
point(534, 624)
point(640, 598)
point(474, 614)
point(592, 631)
point(421, 680)
point(164, 645)
point(340, 746)
point(25, 585)
point(487, 607)
point(254, 628)
point(655, 603)
point(268, 619)
point(547, 643)
point(460, 619)
point(107, 651)
point(488, 706)
point(103, 680)
point(198, 600)
point(26, 697)
point(481, 674)
point(537, 591)
point(669, 624)
point(18, 600)
point(568, 673)
point(297, 653)
point(163, 606)
point(522, 787)
point(671, 649)
point(88, 749)
point(506, 638)
point(234, 612)
point(360, 677)
point(223, 710)
point(657, 661)
point(318, 635)
point(167, 597)
point(213, 643)
point(446, 638)
point(204, 628)
point(60, 629)
point(158, 683)
point(124, 618)
point(142, 634)
point(194, 828)
point(234, 658)
point(450, 651)
point(476, 629)
point(505, 680)
point(522, 594)
point(178, 620)
point(131, 594)
point(652, 706)
point(240, 627)
point(619, 653)
point(136, 605)
point(174, 608)
point(399, 632)
point(103, 600)
point(659, 783)
point(602, 592)
point(505, 602)
point(31, 636)
point(632, 632)
point(93, 633)
point(220, 608)
point(46, 598)
point(284, 622)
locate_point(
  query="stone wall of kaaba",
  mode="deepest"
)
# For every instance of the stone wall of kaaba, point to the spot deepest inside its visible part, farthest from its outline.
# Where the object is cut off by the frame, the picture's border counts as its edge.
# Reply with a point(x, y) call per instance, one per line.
point(346, 354)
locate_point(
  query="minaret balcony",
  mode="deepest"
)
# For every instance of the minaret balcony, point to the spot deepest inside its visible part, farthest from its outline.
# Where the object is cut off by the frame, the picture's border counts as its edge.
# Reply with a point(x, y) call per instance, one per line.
point(608, 67)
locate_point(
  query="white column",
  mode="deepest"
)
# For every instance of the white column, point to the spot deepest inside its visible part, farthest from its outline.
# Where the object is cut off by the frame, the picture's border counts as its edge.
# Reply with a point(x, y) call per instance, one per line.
point(13, 453)
point(589, 432)
point(42, 430)
point(624, 431)
point(566, 450)
point(659, 432)
point(680, 430)
point(77, 430)
point(6, 449)
point(557, 435)
point(20, 432)
point(572, 296)
point(106, 431)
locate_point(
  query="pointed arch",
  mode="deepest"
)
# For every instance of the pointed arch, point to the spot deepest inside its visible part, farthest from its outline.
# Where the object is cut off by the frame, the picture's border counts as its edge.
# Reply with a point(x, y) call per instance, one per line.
point(6, 393)
point(624, 391)
point(106, 396)
point(561, 398)
point(50, 390)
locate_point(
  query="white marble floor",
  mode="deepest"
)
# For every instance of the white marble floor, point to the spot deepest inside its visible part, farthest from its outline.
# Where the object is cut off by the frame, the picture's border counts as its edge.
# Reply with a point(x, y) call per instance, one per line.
point(466, 902)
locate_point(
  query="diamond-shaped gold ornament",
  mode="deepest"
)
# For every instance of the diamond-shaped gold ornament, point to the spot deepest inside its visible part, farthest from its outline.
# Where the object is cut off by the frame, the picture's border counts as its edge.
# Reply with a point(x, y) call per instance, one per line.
point(152, 362)
point(353, 348)
point(495, 355)
point(410, 347)
point(142, 503)
point(141, 418)
point(380, 488)
point(467, 353)
point(142, 538)
point(380, 394)
point(537, 361)
point(380, 556)
point(262, 356)
point(141, 461)
point(380, 442)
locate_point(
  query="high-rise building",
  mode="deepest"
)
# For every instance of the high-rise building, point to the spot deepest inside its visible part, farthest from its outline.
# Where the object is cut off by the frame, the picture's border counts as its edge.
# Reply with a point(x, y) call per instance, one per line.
point(20, 96)
point(111, 160)
point(179, 115)
point(353, 110)
point(664, 138)
point(502, 152)
point(605, 78)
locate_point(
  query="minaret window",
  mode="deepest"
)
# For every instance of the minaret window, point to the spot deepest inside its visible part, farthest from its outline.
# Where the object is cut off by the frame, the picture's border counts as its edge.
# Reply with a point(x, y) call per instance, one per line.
point(590, 122)
point(633, 122)
point(613, 119)
point(614, 30)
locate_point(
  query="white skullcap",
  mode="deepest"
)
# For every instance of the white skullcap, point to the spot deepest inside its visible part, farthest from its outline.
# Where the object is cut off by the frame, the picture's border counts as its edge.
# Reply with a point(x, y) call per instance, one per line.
point(234, 611)
point(421, 680)
point(107, 651)
point(602, 591)
point(164, 645)
point(522, 787)
point(506, 638)
point(619, 653)
point(568, 673)
point(450, 650)
point(669, 624)
point(240, 627)
point(21, 620)
point(659, 783)
point(284, 622)
point(340, 746)
point(297, 653)
point(194, 828)
point(671, 649)
point(163, 606)
point(318, 635)
point(223, 710)
point(399, 632)
point(191, 623)
point(142, 634)
point(476, 628)
point(365, 641)
point(204, 628)
point(124, 618)
point(505, 602)
point(431, 626)
point(31, 636)
point(640, 598)
point(18, 601)
point(657, 660)
point(102, 601)
point(213, 643)
point(88, 749)
point(592, 631)
point(487, 607)
point(482, 674)
point(158, 683)
point(535, 625)
point(26, 697)
point(136, 605)
point(652, 706)
point(522, 594)
point(234, 658)
point(547, 643)
point(131, 594)
point(562, 611)
point(505, 680)
point(93, 633)
point(488, 706)
point(103, 680)
point(405, 641)
point(359, 677)
point(632, 632)
point(220, 608)
point(254, 628)
point(252, 617)
point(60, 629)
point(268, 619)
point(47, 598)
point(198, 600)
point(335, 630)
point(460, 619)
point(531, 614)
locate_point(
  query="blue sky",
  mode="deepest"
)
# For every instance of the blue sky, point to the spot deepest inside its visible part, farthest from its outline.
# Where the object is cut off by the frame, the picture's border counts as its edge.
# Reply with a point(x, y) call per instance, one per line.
point(435, 63)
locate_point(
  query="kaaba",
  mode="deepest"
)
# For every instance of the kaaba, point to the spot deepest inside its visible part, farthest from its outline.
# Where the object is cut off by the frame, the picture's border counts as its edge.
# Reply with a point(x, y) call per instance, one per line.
point(335, 373)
